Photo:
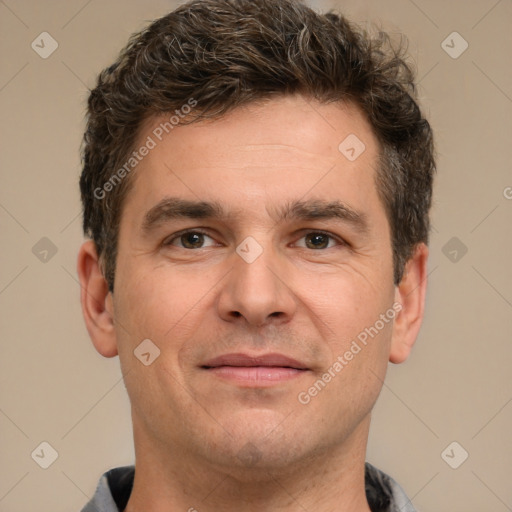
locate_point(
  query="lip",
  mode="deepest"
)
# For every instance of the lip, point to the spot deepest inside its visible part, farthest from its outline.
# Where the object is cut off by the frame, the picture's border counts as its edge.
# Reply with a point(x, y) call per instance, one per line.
point(245, 360)
point(255, 370)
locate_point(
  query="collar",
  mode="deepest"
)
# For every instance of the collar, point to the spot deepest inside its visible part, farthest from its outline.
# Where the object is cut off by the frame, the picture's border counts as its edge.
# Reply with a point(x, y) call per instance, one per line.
point(115, 486)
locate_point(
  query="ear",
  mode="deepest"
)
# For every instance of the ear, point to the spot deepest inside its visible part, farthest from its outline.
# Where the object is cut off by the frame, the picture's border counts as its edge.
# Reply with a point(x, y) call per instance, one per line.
point(97, 305)
point(410, 293)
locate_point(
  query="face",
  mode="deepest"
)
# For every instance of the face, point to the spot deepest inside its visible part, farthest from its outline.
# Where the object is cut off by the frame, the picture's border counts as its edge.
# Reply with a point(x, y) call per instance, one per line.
point(255, 254)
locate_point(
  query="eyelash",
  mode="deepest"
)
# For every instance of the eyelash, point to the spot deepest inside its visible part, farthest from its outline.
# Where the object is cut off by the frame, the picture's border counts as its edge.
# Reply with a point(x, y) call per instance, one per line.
point(168, 241)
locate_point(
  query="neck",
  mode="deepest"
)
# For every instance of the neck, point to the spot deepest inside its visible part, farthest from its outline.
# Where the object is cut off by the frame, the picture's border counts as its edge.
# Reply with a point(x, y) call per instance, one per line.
point(175, 479)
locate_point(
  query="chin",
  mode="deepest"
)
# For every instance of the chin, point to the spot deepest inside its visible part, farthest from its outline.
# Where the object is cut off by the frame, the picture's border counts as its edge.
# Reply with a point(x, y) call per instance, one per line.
point(261, 442)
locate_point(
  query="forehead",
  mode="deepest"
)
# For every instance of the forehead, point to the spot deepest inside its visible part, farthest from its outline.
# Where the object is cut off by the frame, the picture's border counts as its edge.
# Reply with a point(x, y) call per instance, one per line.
point(306, 126)
point(283, 149)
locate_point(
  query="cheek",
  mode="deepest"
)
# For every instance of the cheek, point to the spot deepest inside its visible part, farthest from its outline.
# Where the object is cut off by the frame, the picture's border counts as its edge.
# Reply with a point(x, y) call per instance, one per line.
point(347, 309)
point(161, 307)
point(154, 303)
point(347, 302)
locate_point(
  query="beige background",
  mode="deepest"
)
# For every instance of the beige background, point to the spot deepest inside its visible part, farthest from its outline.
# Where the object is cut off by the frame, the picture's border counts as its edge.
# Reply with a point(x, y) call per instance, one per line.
point(455, 387)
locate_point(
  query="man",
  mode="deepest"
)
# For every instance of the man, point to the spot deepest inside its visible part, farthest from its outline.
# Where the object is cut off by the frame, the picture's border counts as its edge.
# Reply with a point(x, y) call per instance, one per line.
point(256, 186)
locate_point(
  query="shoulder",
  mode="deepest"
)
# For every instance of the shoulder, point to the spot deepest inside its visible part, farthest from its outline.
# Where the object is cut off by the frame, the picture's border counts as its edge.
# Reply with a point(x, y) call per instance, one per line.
point(113, 491)
point(383, 493)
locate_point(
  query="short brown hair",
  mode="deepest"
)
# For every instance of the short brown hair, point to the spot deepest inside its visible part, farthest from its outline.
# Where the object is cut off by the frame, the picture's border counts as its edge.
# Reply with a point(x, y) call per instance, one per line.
point(227, 53)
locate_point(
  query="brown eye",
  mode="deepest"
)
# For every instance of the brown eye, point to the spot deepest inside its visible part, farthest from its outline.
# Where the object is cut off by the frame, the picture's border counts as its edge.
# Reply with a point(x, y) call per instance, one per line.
point(190, 240)
point(316, 240)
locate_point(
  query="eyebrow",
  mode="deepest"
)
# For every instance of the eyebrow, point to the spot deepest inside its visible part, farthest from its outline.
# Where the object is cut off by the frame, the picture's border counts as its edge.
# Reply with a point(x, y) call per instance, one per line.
point(171, 208)
point(319, 209)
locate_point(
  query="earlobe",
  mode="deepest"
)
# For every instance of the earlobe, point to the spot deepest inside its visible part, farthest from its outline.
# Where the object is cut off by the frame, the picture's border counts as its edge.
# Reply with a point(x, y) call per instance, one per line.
point(410, 293)
point(96, 300)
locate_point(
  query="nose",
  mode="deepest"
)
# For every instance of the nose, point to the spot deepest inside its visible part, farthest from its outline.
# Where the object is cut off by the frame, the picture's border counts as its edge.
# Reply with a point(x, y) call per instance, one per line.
point(257, 292)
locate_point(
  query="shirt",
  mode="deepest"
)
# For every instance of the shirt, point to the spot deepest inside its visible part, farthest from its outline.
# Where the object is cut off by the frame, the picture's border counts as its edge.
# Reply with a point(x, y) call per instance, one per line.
point(114, 488)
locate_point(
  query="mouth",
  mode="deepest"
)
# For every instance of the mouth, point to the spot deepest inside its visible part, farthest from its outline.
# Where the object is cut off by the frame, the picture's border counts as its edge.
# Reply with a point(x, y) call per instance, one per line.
point(255, 371)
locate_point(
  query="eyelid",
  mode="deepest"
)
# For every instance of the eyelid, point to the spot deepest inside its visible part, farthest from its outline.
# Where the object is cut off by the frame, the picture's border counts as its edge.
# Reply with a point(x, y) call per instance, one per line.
point(168, 240)
point(303, 232)
point(306, 231)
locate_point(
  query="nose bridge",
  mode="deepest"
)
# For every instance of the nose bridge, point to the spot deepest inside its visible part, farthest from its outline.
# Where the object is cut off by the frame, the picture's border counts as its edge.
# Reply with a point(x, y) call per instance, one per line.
point(254, 289)
point(257, 267)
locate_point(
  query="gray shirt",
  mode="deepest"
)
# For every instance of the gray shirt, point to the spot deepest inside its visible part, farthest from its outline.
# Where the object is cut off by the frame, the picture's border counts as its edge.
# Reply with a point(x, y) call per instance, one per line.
point(113, 491)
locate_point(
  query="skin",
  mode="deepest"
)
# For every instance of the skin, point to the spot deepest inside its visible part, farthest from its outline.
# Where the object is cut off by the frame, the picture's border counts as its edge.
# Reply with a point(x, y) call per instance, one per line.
point(211, 443)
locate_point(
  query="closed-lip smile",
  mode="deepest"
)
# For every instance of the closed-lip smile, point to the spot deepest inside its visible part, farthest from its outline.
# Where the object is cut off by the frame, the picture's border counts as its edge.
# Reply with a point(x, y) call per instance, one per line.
point(255, 370)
